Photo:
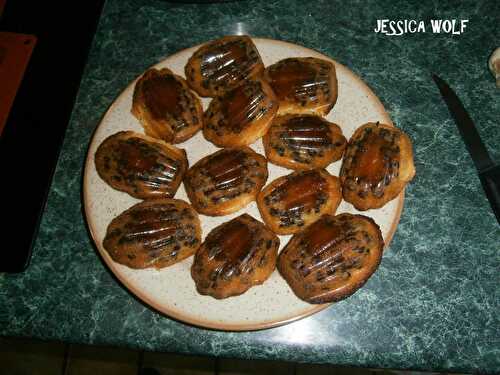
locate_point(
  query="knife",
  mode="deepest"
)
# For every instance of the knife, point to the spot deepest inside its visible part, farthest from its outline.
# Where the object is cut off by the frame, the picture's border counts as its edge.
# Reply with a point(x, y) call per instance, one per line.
point(488, 170)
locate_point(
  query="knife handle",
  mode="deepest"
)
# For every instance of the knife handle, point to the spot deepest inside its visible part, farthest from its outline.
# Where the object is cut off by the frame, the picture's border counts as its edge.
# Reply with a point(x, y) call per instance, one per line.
point(490, 179)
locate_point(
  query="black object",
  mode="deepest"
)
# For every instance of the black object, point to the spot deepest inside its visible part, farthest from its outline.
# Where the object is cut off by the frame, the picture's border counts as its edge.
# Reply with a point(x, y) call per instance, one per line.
point(489, 172)
point(201, 1)
point(32, 137)
point(148, 371)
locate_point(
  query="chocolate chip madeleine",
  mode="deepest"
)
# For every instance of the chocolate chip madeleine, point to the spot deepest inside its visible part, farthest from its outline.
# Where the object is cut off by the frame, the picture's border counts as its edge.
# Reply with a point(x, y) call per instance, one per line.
point(291, 203)
point(377, 164)
point(223, 64)
point(303, 142)
point(166, 107)
point(235, 256)
point(141, 166)
point(332, 258)
point(241, 116)
point(303, 85)
point(225, 181)
point(155, 233)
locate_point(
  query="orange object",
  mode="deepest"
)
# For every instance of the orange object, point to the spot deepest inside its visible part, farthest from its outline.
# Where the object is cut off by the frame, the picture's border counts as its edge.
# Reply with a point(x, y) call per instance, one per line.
point(15, 53)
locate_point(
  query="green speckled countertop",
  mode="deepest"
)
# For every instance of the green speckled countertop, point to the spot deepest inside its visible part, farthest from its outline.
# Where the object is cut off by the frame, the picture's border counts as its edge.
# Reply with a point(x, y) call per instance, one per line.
point(434, 302)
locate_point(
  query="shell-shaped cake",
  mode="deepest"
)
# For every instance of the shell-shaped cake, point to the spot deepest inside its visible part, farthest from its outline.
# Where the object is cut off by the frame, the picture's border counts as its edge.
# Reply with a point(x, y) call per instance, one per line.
point(377, 165)
point(166, 107)
point(234, 257)
point(303, 85)
point(153, 234)
point(223, 64)
point(303, 142)
point(241, 116)
point(141, 166)
point(292, 202)
point(332, 258)
point(226, 181)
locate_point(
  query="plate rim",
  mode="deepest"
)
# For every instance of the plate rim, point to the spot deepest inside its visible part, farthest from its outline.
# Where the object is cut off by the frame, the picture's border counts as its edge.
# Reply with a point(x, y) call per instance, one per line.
point(208, 324)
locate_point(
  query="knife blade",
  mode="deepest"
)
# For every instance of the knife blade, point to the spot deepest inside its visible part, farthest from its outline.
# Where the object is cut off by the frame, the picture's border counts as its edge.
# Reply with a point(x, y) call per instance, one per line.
point(488, 170)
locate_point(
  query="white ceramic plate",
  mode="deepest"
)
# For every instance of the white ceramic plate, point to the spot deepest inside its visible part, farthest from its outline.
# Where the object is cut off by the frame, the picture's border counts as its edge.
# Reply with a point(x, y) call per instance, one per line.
point(171, 290)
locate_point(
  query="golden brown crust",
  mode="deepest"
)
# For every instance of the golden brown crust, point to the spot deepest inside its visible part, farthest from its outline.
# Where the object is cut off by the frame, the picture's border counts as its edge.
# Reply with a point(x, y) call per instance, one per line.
point(332, 258)
point(166, 107)
point(303, 85)
point(234, 257)
point(223, 64)
point(303, 142)
point(141, 166)
point(377, 165)
point(291, 203)
point(155, 233)
point(241, 116)
point(225, 181)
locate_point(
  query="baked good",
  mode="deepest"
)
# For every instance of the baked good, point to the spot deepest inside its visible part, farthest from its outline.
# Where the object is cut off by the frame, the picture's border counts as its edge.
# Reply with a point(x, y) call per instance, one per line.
point(303, 142)
point(225, 181)
point(332, 258)
point(154, 233)
point(166, 107)
point(241, 116)
point(377, 165)
point(235, 256)
point(221, 65)
point(141, 166)
point(303, 85)
point(292, 202)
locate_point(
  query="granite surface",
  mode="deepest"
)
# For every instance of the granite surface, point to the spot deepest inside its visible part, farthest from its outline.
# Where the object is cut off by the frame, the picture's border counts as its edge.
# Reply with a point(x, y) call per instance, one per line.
point(434, 302)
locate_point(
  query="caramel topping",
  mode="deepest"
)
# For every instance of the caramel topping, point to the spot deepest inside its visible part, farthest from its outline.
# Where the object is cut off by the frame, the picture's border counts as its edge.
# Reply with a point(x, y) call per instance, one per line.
point(243, 105)
point(162, 95)
point(330, 245)
point(151, 235)
point(232, 246)
point(226, 168)
point(372, 160)
point(154, 213)
point(140, 166)
point(372, 164)
point(235, 242)
point(301, 191)
point(321, 236)
point(221, 63)
point(154, 227)
point(306, 133)
point(139, 160)
point(136, 155)
point(292, 79)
